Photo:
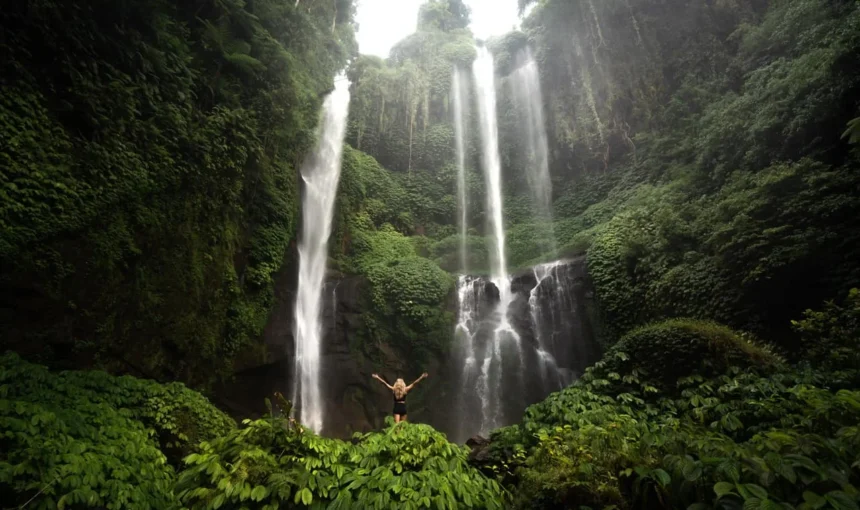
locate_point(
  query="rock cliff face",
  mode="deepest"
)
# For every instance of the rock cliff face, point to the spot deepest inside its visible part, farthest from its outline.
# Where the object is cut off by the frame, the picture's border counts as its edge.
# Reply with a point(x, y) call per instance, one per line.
point(561, 295)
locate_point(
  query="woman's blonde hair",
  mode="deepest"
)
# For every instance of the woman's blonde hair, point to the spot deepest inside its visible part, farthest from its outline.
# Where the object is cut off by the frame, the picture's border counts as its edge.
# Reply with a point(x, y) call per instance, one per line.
point(399, 389)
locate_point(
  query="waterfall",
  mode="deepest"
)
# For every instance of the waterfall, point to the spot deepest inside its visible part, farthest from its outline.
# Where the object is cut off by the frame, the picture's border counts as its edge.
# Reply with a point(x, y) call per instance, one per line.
point(552, 377)
point(525, 85)
point(320, 173)
point(458, 89)
point(510, 327)
point(491, 376)
point(553, 344)
point(469, 296)
point(485, 85)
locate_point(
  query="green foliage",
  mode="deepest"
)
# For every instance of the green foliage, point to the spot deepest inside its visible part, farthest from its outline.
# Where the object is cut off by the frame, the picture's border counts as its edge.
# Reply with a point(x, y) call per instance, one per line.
point(529, 243)
point(147, 171)
point(664, 352)
point(447, 253)
point(738, 439)
point(384, 246)
point(655, 253)
point(444, 15)
point(178, 417)
point(400, 111)
point(686, 414)
point(408, 297)
point(91, 440)
point(406, 304)
point(823, 40)
point(84, 455)
point(830, 336)
point(269, 464)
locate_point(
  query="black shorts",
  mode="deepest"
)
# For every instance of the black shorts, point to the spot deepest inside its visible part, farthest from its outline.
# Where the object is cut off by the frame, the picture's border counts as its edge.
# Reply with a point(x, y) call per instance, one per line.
point(399, 408)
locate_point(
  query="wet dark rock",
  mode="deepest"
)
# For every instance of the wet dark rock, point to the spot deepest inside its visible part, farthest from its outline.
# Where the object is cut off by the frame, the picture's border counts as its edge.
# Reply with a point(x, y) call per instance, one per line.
point(491, 292)
point(357, 403)
point(480, 449)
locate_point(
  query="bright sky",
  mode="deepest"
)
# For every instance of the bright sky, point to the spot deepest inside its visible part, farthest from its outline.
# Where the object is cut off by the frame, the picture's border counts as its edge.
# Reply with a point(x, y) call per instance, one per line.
point(382, 23)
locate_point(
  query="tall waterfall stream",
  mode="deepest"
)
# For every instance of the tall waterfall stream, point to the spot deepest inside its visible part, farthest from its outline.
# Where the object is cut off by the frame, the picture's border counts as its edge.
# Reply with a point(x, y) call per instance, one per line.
point(320, 173)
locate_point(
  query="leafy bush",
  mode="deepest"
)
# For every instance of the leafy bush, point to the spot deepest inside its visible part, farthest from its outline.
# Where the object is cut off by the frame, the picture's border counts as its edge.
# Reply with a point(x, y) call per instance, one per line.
point(739, 439)
point(372, 247)
point(530, 243)
point(366, 187)
point(81, 454)
point(669, 350)
point(91, 440)
point(408, 297)
point(831, 337)
point(447, 253)
point(177, 417)
point(270, 464)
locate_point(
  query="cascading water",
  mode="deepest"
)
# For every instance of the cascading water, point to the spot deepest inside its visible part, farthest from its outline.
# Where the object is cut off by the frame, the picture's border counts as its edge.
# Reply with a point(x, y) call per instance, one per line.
point(525, 81)
point(320, 173)
point(491, 371)
point(511, 330)
point(458, 87)
point(552, 377)
point(550, 313)
point(470, 295)
point(525, 85)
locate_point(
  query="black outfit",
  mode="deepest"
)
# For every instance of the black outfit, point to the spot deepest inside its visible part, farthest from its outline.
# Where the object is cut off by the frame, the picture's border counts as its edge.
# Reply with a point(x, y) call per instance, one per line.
point(400, 406)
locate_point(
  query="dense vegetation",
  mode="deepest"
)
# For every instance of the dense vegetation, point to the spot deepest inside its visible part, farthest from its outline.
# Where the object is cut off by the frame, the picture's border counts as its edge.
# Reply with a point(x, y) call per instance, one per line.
point(700, 152)
point(268, 464)
point(148, 156)
point(722, 183)
point(91, 440)
point(755, 433)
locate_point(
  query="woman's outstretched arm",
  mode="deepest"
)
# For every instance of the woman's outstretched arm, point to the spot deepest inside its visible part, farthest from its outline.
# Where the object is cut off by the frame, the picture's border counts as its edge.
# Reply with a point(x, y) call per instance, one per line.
point(423, 376)
point(380, 379)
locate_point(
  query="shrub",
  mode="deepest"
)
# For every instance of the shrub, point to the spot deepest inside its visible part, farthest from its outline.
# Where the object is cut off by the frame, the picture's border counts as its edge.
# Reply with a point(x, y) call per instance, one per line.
point(669, 350)
point(88, 439)
point(372, 247)
point(177, 417)
point(80, 454)
point(831, 337)
point(736, 440)
point(447, 253)
point(407, 297)
point(270, 464)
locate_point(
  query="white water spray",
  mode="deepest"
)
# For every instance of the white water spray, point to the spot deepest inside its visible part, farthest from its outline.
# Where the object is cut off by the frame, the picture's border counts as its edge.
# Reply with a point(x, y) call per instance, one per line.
point(320, 172)
point(458, 88)
point(485, 84)
point(551, 375)
point(525, 82)
point(491, 377)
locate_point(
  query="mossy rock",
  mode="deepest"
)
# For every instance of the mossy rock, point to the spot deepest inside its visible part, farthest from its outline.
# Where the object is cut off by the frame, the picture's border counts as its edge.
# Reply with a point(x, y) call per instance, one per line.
point(669, 350)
